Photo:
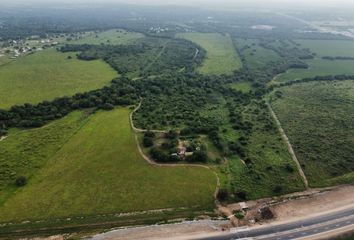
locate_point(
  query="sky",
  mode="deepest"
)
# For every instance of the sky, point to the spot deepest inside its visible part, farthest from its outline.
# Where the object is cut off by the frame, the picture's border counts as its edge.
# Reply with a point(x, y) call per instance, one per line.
point(219, 3)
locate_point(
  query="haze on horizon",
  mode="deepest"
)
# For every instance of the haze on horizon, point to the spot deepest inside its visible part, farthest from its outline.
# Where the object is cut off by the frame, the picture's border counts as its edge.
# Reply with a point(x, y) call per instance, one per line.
point(206, 3)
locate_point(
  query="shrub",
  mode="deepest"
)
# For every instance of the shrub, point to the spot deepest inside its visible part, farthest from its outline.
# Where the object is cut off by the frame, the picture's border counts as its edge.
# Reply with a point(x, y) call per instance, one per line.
point(223, 194)
point(239, 215)
point(148, 142)
point(21, 181)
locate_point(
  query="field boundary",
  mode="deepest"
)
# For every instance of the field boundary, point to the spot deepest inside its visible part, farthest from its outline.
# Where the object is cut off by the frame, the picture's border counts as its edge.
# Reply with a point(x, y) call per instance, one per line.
point(290, 147)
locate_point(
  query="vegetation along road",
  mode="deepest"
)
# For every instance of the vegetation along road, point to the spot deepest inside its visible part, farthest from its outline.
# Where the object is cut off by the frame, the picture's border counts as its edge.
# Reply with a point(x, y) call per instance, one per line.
point(308, 227)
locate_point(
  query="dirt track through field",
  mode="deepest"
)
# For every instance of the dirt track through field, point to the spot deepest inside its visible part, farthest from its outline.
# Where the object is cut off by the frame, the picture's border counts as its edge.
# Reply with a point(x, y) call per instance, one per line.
point(290, 147)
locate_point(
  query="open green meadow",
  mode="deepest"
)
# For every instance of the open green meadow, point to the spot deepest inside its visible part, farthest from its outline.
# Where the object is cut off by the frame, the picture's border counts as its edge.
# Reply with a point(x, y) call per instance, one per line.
point(317, 117)
point(49, 74)
point(332, 48)
point(98, 170)
point(221, 58)
point(113, 36)
point(256, 56)
point(318, 67)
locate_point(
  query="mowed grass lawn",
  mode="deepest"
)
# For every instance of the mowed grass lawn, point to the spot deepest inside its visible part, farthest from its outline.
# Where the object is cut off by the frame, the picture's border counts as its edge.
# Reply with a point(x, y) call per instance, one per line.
point(318, 119)
point(113, 36)
point(49, 74)
point(99, 170)
point(221, 57)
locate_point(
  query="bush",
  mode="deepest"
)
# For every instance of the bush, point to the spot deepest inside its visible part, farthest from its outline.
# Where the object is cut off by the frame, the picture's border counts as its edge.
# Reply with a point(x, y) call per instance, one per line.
point(266, 213)
point(222, 195)
point(149, 134)
point(148, 142)
point(239, 215)
point(21, 181)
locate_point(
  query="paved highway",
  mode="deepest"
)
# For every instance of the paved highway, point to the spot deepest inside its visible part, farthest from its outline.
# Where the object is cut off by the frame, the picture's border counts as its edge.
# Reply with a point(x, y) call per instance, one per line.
point(297, 229)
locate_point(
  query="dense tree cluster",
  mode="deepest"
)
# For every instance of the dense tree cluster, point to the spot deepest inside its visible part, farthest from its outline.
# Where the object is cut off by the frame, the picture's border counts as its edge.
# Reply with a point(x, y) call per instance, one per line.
point(337, 58)
point(317, 78)
point(121, 92)
point(151, 56)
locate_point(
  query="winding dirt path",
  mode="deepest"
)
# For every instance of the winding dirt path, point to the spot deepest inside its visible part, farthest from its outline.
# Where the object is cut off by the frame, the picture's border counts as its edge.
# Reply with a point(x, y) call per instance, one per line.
point(290, 147)
point(152, 162)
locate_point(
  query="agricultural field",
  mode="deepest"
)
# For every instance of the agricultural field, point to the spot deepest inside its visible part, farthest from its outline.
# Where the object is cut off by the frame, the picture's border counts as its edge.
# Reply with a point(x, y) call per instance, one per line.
point(49, 74)
point(318, 119)
point(318, 67)
point(23, 153)
point(332, 48)
point(4, 60)
point(221, 57)
point(100, 167)
point(111, 37)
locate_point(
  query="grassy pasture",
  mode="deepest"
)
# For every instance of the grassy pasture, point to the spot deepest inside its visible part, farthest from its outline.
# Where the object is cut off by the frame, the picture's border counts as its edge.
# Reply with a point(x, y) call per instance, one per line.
point(244, 87)
point(23, 153)
point(113, 37)
point(318, 67)
point(99, 170)
point(331, 48)
point(221, 57)
point(49, 74)
point(318, 119)
point(256, 56)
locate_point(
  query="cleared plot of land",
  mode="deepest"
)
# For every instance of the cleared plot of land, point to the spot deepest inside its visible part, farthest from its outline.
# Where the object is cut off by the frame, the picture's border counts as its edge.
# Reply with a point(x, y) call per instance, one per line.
point(221, 56)
point(331, 48)
point(49, 74)
point(114, 37)
point(318, 119)
point(244, 87)
point(318, 67)
point(99, 170)
point(256, 56)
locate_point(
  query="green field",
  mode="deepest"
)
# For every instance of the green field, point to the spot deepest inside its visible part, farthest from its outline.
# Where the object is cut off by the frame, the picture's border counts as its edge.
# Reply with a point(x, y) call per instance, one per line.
point(256, 56)
point(114, 37)
point(318, 67)
point(244, 87)
point(98, 170)
point(221, 56)
point(318, 119)
point(332, 48)
point(49, 74)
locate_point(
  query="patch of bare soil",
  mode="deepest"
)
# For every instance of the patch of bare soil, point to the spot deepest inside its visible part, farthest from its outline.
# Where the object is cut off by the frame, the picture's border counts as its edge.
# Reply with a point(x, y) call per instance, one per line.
point(184, 230)
point(294, 206)
point(317, 202)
